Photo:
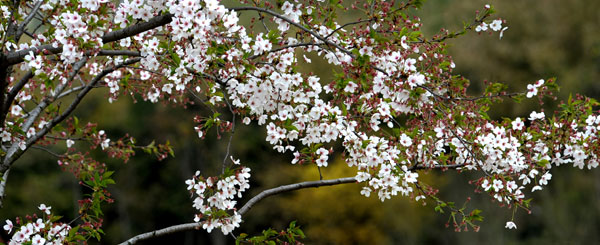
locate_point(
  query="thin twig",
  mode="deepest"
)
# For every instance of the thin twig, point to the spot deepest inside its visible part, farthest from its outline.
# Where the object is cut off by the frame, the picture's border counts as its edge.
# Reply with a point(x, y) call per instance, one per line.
point(348, 24)
point(312, 32)
point(286, 47)
point(46, 150)
point(420, 166)
point(232, 130)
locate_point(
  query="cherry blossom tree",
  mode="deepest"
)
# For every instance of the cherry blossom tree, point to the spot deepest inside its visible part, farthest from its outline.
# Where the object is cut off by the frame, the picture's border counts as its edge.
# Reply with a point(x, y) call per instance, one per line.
point(394, 103)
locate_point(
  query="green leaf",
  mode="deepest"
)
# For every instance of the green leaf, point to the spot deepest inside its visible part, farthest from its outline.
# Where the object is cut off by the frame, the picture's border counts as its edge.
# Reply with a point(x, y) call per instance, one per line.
point(543, 163)
point(176, 59)
point(273, 36)
point(269, 232)
point(240, 238)
point(107, 174)
point(418, 4)
point(475, 215)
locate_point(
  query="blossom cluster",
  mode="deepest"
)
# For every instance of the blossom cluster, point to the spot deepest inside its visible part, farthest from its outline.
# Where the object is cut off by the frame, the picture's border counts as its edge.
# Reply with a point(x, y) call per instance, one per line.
point(215, 195)
point(40, 231)
point(535, 167)
point(532, 89)
point(495, 25)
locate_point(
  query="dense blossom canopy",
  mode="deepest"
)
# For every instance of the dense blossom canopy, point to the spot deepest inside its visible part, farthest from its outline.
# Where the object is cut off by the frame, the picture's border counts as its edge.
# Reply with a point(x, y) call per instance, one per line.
point(394, 103)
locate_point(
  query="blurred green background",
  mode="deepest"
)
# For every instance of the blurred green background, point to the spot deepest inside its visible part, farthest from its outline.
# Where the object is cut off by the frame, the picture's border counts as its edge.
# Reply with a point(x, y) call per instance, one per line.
point(551, 38)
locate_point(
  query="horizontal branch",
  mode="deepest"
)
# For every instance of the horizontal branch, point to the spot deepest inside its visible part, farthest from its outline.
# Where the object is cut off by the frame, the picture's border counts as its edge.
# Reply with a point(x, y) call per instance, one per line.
point(54, 154)
point(108, 52)
point(18, 56)
point(264, 194)
point(162, 232)
point(422, 167)
point(137, 28)
point(286, 47)
point(285, 188)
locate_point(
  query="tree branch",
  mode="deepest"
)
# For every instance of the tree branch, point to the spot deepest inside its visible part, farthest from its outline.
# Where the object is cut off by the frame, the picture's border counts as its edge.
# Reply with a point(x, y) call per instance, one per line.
point(162, 232)
point(286, 47)
point(232, 130)
point(264, 194)
point(313, 33)
point(137, 28)
point(11, 158)
point(285, 188)
point(3, 186)
point(18, 56)
point(14, 91)
point(34, 114)
point(348, 24)
point(54, 154)
point(47, 100)
point(3, 86)
point(13, 153)
point(443, 167)
point(108, 52)
point(28, 19)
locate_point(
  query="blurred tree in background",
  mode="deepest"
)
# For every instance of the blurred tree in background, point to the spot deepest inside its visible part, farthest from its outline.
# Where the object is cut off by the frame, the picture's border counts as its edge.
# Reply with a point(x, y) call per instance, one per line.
point(550, 38)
